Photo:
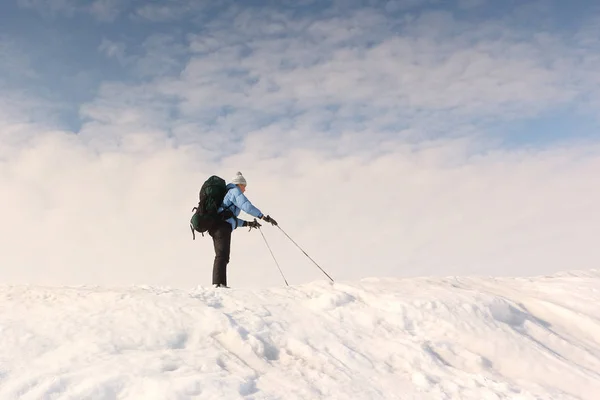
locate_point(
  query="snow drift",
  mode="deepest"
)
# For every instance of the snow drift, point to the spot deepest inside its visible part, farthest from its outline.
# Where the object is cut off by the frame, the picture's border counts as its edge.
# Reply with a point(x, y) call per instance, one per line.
point(427, 338)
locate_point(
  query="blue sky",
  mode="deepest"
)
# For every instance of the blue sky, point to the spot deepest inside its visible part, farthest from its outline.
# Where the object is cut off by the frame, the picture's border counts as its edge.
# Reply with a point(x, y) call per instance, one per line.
point(64, 52)
point(410, 136)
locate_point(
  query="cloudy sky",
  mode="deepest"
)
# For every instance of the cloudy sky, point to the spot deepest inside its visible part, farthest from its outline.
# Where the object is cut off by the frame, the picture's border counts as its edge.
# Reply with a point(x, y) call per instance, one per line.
point(388, 138)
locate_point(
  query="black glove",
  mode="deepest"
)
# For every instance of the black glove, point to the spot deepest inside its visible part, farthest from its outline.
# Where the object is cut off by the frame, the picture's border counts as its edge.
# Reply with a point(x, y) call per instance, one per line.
point(267, 218)
point(252, 224)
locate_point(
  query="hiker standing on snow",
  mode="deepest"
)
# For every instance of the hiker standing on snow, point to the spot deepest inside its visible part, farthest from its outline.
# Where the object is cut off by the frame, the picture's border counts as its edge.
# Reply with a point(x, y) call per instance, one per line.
point(234, 201)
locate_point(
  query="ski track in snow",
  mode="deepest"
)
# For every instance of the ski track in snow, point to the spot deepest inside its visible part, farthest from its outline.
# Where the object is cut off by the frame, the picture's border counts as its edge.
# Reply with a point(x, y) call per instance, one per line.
point(425, 338)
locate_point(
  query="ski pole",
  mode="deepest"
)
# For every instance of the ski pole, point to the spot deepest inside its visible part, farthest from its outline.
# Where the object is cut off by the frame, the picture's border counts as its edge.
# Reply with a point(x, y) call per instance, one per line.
point(272, 255)
point(314, 262)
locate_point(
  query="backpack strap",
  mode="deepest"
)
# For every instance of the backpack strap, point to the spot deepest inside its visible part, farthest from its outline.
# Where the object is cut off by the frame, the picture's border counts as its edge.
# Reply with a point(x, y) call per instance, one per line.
point(195, 210)
point(227, 209)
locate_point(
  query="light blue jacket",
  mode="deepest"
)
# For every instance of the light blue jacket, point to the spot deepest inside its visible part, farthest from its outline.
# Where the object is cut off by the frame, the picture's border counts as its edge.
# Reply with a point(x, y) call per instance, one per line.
point(236, 201)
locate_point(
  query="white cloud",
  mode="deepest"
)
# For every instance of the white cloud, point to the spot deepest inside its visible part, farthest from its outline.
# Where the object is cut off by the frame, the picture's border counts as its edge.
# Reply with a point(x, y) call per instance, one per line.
point(102, 10)
point(471, 3)
point(17, 110)
point(160, 13)
point(365, 138)
point(174, 10)
point(67, 7)
point(463, 69)
point(105, 10)
point(163, 56)
point(119, 214)
point(402, 5)
point(159, 55)
point(115, 50)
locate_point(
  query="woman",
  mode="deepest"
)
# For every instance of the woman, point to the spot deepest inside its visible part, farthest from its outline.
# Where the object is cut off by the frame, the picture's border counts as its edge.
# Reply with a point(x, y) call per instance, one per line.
point(233, 203)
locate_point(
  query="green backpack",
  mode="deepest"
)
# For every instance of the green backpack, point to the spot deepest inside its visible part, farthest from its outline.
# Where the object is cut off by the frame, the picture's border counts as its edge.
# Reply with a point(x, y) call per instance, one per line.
point(211, 196)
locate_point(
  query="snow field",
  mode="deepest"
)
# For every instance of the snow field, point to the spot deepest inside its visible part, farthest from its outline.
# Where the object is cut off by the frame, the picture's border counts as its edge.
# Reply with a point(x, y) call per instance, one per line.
point(427, 338)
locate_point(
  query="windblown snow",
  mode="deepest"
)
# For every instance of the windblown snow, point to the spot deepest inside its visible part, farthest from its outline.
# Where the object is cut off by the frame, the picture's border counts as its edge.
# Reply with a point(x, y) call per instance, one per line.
point(417, 338)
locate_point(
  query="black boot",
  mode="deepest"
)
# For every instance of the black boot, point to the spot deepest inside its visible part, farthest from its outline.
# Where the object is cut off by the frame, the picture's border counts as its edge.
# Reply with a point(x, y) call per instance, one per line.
point(219, 285)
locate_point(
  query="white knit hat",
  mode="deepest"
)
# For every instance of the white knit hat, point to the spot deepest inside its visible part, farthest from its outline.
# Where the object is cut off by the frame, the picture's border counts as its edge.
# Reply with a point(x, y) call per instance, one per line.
point(239, 179)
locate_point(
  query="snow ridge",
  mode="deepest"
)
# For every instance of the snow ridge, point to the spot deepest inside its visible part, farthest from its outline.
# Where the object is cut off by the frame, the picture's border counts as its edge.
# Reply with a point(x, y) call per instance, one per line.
point(418, 338)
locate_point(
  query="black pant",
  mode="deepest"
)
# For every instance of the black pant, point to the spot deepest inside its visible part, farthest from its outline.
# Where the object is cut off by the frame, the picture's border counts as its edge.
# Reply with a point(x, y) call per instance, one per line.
point(221, 235)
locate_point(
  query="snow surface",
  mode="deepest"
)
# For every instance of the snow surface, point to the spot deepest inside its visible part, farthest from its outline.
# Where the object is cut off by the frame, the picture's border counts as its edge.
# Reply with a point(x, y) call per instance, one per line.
point(426, 338)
